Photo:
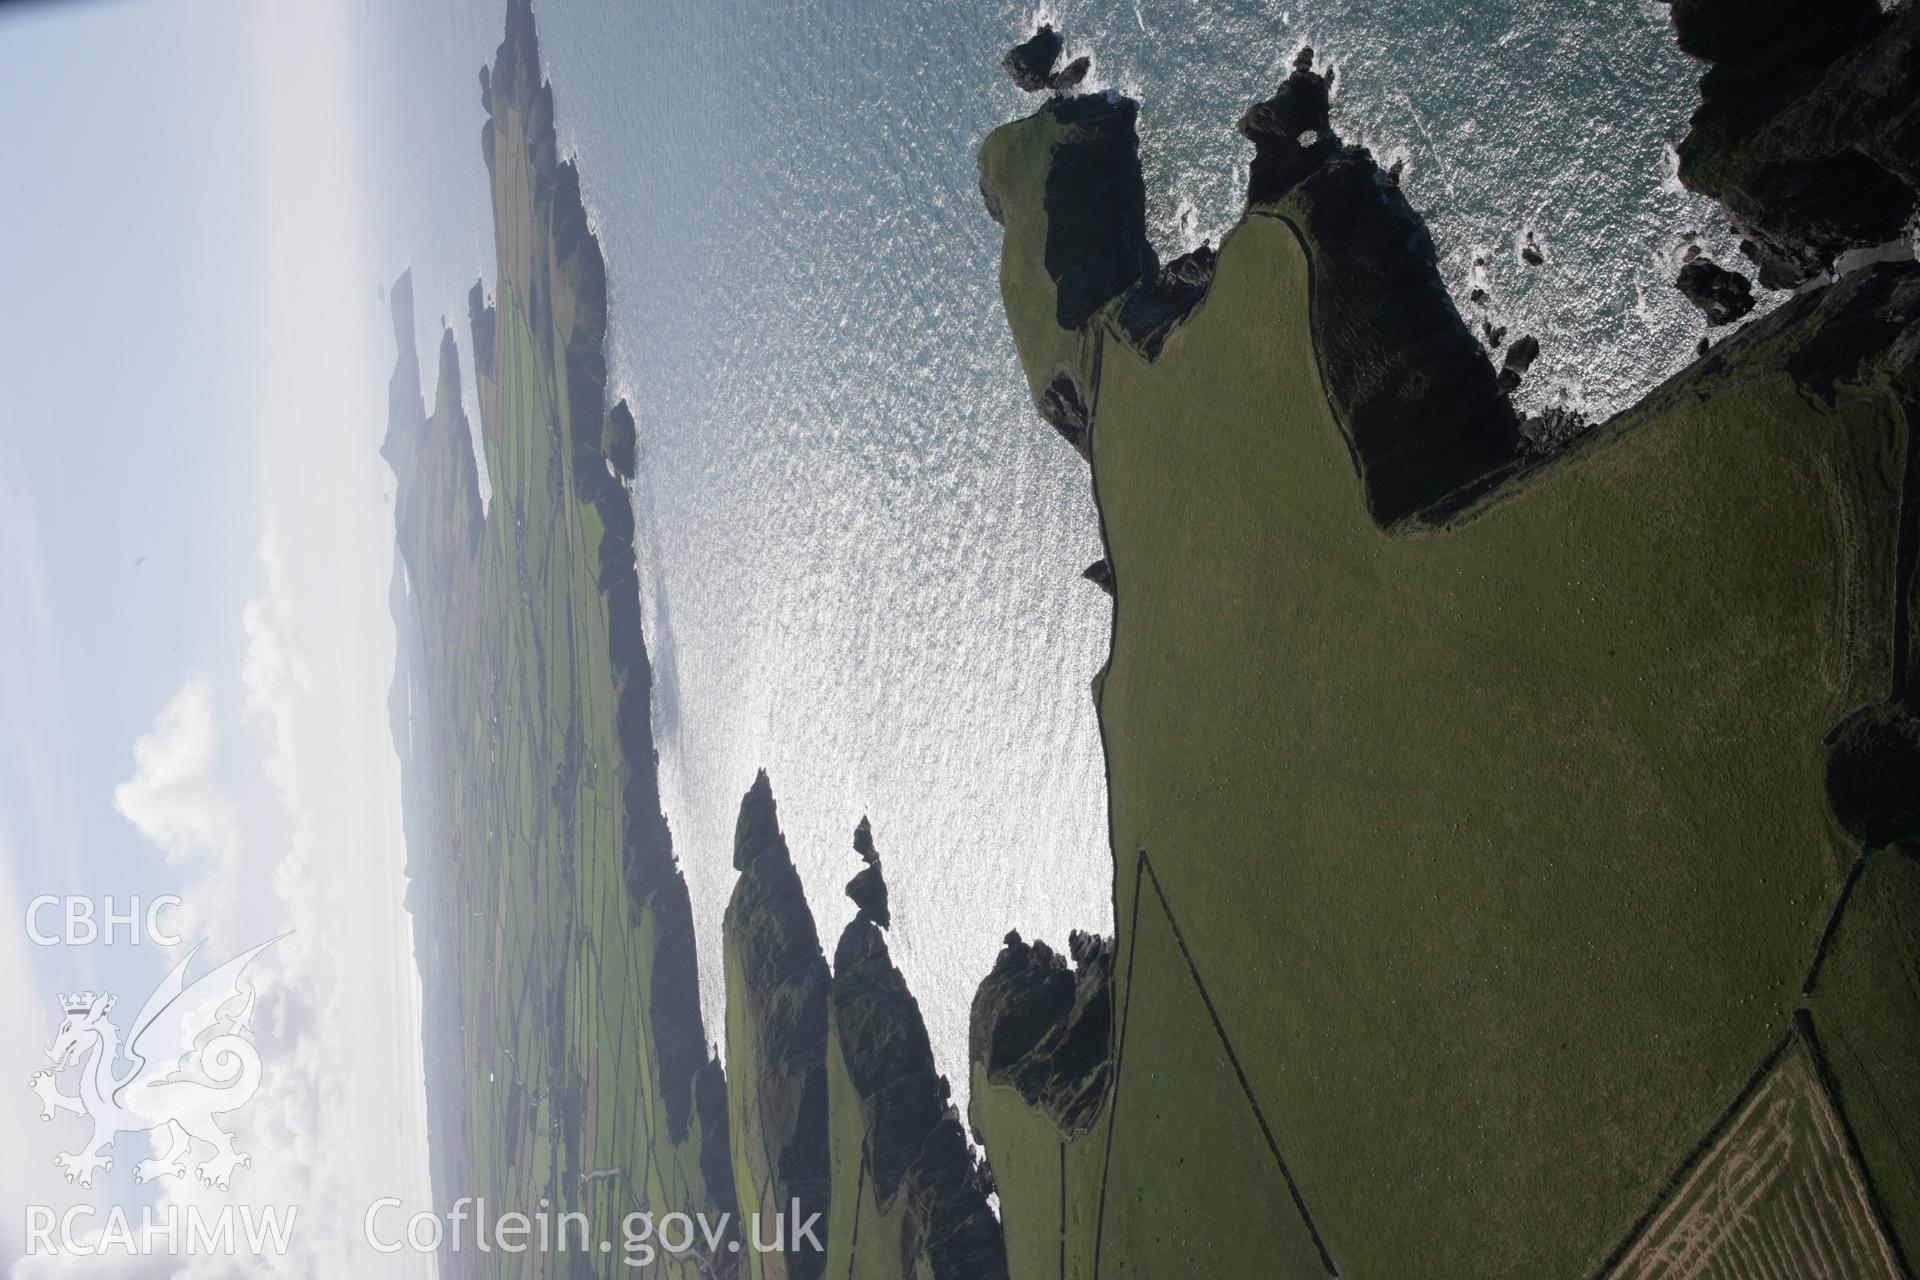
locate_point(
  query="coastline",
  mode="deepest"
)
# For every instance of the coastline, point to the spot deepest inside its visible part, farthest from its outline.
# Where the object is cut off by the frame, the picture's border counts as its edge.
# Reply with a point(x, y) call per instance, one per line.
point(1343, 448)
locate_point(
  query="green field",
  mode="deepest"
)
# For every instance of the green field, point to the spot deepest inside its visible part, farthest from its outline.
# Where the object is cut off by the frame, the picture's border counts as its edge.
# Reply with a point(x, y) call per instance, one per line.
point(1477, 888)
point(569, 1068)
point(1500, 849)
point(552, 949)
point(1776, 1195)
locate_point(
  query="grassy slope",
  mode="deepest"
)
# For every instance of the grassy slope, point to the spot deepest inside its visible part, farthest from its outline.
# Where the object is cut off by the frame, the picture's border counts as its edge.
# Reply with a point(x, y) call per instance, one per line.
point(546, 914)
point(555, 968)
point(1181, 1119)
point(752, 1161)
point(1036, 1170)
point(1501, 850)
point(1014, 161)
point(863, 1240)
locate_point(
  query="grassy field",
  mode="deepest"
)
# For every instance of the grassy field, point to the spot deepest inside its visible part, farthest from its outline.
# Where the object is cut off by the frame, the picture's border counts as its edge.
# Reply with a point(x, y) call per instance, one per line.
point(1500, 849)
point(1049, 1185)
point(1777, 1194)
point(863, 1239)
point(1866, 1003)
point(539, 941)
point(554, 980)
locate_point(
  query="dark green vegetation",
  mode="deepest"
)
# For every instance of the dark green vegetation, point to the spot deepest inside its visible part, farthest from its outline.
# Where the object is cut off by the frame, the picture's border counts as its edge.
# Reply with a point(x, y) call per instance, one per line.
point(570, 1067)
point(1515, 839)
point(566, 1049)
point(1478, 809)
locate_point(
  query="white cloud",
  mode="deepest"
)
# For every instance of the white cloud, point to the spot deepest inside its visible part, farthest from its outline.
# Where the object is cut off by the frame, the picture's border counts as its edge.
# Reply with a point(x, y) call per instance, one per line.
point(274, 672)
point(174, 799)
point(337, 1120)
point(339, 1117)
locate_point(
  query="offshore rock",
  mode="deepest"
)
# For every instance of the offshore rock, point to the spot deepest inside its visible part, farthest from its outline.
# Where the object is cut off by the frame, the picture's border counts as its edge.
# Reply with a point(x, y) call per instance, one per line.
point(1520, 357)
point(481, 320)
point(868, 888)
point(1722, 296)
point(1068, 78)
point(1031, 64)
point(1047, 1029)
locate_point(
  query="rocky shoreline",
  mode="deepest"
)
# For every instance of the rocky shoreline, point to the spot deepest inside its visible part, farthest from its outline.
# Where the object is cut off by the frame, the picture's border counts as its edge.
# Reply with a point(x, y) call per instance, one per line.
point(827, 1065)
point(830, 1102)
point(1806, 132)
point(1438, 453)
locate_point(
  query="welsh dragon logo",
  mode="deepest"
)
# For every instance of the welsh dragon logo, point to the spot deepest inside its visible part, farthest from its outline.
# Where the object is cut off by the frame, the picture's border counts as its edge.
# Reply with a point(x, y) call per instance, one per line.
point(188, 1058)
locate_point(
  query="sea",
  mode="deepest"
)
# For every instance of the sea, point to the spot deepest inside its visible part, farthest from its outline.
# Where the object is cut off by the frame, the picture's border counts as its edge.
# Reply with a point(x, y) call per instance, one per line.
point(860, 548)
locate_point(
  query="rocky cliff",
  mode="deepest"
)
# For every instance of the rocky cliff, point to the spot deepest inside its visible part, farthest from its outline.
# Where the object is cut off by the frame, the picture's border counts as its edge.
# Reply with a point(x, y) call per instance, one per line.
point(777, 983)
point(1808, 130)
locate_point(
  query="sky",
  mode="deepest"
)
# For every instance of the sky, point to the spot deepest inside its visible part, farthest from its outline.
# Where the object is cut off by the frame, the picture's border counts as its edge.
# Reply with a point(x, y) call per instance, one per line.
point(195, 549)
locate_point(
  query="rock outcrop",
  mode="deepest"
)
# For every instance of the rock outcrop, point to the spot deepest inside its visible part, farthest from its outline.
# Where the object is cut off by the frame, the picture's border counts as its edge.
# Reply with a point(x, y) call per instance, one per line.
point(1065, 409)
point(868, 888)
point(1808, 130)
point(622, 441)
point(1151, 309)
point(913, 1147)
point(1032, 63)
point(1722, 296)
point(1291, 132)
point(1097, 245)
point(1100, 574)
point(1047, 1029)
point(1428, 424)
point(777, 982)
point(1427, 421)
